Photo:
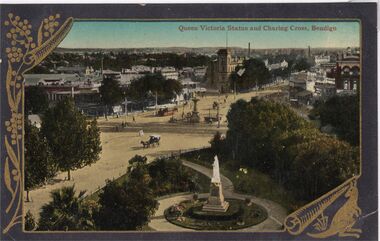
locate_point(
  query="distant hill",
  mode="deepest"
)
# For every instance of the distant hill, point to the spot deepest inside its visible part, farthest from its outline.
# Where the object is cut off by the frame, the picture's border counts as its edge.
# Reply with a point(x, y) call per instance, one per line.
point(201, 50)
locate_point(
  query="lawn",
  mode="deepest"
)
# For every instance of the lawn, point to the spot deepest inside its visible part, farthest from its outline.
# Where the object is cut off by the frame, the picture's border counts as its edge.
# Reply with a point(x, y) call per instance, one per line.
point(262, 186)
point(253, 182)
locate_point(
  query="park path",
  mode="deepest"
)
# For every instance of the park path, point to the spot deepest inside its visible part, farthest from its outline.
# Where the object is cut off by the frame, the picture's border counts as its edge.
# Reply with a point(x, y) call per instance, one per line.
point(276, 213)
point(120, 146)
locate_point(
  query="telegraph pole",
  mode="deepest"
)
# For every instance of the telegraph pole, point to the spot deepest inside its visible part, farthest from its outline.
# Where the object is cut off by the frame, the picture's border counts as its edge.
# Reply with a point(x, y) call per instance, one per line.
point(156, 104)
point(126, 106)
point(217, 115)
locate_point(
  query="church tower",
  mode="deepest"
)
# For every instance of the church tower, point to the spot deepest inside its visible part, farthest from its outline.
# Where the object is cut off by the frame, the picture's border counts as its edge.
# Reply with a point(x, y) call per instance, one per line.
point(225, 68)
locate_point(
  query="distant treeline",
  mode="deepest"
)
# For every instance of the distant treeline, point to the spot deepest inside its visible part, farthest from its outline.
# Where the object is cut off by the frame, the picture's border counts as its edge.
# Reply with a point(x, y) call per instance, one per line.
point(118, 61)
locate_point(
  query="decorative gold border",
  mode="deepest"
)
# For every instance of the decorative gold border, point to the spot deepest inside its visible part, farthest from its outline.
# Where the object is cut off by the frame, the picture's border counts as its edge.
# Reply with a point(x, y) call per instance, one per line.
point(24, 54)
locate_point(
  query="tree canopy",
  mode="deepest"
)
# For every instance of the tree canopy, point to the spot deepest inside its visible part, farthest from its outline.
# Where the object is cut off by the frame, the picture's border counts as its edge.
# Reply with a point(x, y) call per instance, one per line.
point(255, 74)
point(110, 91)
point(301, 64)
point(66, 212)
point(126, 206)
point(259, 124)
point(273, 139)
point(73, 141)
point(342, 112)
point(321, 161)
point(150, 84)
point(39, 162)
point(36, 100)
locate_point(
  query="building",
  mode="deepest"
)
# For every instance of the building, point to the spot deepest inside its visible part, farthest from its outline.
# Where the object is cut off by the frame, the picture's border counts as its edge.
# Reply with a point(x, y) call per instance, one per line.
point(59, 86)
point(322, 59)
point(298, 80)
point(220, 70)
point(190, 87)
point(324, 90)
point(347, 72)
point(200, 73)
point(168, 72)
point(50, 79)
point(282, 65)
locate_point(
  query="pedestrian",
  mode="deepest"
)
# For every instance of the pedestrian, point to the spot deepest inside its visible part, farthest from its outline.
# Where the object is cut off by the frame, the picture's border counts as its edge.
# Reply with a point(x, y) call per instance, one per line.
point(141, 133)
point(133, 118)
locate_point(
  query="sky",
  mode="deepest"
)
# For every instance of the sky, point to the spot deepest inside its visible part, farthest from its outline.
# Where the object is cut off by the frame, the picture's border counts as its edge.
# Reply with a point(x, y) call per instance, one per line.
point(147, 34)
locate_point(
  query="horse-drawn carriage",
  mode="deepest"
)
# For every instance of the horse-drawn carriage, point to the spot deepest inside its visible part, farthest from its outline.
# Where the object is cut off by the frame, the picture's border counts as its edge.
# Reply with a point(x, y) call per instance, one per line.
point(154, 140)
point(166, 111)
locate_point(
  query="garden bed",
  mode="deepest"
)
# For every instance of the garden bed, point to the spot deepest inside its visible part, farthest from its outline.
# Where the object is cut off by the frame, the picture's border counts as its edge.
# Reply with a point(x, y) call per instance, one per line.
point(239, 215)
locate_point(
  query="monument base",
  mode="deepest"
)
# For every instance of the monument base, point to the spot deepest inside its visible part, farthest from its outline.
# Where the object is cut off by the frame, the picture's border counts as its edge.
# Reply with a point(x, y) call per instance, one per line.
point(195, 118)
point(222, 207)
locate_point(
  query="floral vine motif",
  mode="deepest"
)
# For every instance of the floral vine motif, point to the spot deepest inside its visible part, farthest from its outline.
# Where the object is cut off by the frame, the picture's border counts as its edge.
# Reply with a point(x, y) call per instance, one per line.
point(23, 54)
point(48, 26)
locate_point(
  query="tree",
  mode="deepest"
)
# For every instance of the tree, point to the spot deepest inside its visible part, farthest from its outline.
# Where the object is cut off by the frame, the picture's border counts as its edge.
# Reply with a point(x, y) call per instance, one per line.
point(218, 145)
point(126, 206)
point(66, 212)
point(166, 89)
point(255, 74)
point(30, 223)
point(321, 161)
point(342, 112)
point(170, 176)
point(136, 161)
point(272, 138)
point(39, 162)
point(255, 130)
point(301, 64)
point(73, 142)
point(36, 100)
point(111, 92)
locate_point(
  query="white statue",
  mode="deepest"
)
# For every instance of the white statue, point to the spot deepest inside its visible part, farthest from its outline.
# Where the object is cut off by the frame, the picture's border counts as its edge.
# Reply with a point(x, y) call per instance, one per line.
point(215, 171)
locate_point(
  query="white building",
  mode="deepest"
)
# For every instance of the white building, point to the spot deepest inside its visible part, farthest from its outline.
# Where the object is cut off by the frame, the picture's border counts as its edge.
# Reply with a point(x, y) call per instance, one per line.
point(282, 65)
point(168, 72)
point(322, 59)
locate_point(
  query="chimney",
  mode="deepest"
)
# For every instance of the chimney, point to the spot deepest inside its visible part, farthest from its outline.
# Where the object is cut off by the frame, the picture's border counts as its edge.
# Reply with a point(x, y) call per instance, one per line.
point(249, 50)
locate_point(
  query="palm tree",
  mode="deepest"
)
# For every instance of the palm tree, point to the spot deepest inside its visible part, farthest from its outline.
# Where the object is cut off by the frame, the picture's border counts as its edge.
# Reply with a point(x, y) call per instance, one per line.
point(66, 211)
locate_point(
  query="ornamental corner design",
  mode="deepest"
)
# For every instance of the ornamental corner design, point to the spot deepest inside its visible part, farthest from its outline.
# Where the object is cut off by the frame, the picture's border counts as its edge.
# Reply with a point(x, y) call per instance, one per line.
point(25, 47)
point(333, 214)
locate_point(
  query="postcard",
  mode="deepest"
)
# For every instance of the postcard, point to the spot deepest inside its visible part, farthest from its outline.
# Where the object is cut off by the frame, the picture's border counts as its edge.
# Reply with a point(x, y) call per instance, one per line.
point(179, 122)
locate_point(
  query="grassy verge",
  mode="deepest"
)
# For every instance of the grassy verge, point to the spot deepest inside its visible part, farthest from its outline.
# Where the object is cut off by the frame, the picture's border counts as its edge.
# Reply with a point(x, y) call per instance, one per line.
point(253, 182)
point(262, 186)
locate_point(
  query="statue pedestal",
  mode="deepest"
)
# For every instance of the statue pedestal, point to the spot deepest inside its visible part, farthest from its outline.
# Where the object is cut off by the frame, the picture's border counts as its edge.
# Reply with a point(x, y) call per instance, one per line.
point(216, 202)
point(195, 118)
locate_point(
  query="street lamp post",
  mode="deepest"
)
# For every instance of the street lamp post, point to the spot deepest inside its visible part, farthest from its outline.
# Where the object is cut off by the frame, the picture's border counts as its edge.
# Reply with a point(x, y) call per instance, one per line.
point(217, 115)
point(126, 106)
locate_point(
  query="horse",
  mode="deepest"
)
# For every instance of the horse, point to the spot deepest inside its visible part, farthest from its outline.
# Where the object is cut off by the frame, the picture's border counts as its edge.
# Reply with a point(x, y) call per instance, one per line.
point(154, 140)
point(146, 144)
